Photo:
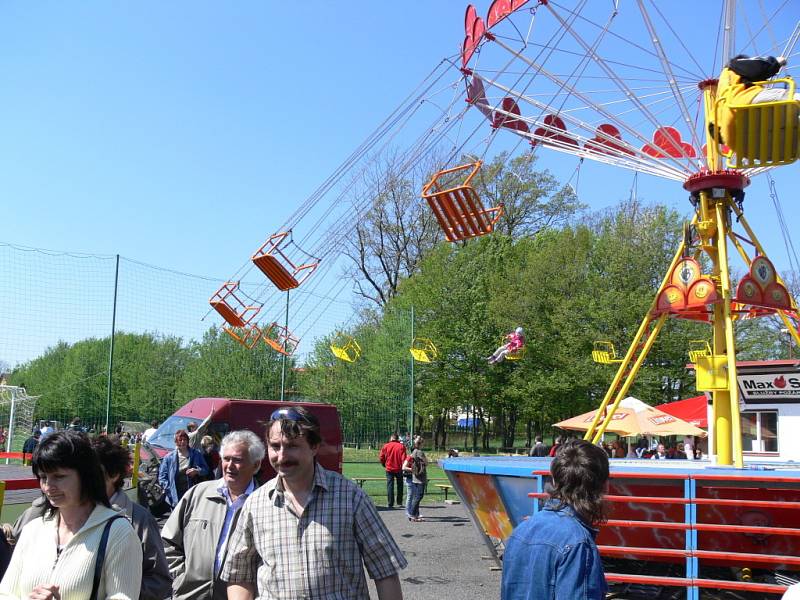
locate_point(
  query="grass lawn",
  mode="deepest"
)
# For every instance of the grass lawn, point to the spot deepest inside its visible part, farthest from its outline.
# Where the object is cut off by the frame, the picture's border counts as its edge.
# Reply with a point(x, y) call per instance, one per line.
point(357, 463)
point(364, 463)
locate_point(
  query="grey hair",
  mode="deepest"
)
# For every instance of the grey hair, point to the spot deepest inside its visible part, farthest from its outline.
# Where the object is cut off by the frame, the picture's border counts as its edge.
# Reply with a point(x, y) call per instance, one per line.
point(255, 447)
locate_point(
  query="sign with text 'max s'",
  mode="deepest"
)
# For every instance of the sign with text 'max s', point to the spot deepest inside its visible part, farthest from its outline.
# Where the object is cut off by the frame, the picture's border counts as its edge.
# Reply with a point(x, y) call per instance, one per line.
point(775, 387)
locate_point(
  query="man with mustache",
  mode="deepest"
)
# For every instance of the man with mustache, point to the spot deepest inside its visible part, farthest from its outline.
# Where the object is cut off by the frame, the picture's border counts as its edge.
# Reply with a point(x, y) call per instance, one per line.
point(197, 532)
point(309, 532)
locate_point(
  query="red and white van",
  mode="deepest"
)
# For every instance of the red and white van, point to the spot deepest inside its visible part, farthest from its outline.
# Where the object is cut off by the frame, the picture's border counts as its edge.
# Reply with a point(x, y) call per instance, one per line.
point(218, 416)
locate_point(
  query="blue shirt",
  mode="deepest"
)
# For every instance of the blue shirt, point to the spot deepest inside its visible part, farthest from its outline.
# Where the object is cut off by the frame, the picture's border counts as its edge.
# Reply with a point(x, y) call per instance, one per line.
point(232, 508)
point(553, 556)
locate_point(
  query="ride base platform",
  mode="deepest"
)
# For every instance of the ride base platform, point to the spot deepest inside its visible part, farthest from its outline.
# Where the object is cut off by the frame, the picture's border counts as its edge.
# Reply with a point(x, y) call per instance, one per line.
point(672, 524)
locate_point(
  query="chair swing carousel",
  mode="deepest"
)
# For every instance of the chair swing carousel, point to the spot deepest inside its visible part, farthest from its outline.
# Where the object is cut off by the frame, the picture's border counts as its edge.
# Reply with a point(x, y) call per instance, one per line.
point(525, 92)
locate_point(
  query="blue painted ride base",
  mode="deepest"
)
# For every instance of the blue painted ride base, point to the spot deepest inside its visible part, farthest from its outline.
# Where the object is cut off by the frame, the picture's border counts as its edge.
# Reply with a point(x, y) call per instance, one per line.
point(672, 524)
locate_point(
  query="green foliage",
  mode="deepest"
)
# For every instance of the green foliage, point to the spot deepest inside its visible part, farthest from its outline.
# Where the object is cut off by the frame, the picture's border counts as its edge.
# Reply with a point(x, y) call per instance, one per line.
point(569, 282)
point(152, 376)
point(372, 393)
point(218, 366)
point(568, 286)
point(533, 200)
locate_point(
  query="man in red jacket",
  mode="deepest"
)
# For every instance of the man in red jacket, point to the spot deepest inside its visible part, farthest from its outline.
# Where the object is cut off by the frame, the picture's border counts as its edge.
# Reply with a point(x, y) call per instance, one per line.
point(392, 456)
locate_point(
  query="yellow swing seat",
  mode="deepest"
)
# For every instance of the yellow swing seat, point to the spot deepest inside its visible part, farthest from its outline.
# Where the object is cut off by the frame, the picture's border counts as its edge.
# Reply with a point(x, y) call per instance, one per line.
point(346, 348)
point(423, 350)
point(698, 349)
point(766, 133)
point(711, 370)
point(603, 352)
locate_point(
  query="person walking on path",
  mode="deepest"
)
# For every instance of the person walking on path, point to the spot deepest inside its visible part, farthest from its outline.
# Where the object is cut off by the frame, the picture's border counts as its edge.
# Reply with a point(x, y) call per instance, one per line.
point(58, 553)
point(553, 555)
point(116, 461)
point(392, 457)
point(30, 444)
point(197, 533)
point(539, 448)
point(47, 429)
point(148, 433)
point(309, 532)
point(181, 469)
point(417, 466)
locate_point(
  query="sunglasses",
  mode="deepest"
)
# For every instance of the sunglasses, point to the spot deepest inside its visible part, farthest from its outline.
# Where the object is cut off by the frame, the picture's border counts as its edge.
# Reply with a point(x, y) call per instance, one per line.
point(288, 414)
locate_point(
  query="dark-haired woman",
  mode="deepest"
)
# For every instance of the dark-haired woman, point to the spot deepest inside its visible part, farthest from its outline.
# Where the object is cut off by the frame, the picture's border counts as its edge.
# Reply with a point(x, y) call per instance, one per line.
point(553, 554)
point(116, 459)
point(56, 555)
point(181, 469)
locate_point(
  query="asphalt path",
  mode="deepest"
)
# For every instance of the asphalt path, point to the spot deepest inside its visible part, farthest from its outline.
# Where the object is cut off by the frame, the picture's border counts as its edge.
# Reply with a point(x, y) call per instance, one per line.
point(445, 555)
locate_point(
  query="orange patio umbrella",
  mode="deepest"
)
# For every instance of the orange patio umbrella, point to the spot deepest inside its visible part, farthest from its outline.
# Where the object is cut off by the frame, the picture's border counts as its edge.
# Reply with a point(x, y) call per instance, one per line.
point(633, 418)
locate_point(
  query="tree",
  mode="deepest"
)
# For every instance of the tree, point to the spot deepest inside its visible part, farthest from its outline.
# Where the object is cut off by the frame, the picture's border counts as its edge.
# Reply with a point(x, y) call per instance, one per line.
point(398, 231)
point(220, 366)
point(394, 234)
point(533, 200)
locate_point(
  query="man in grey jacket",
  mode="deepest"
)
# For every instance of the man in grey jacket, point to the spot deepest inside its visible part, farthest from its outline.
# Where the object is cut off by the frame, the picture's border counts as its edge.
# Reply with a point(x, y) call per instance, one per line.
point(196, 533)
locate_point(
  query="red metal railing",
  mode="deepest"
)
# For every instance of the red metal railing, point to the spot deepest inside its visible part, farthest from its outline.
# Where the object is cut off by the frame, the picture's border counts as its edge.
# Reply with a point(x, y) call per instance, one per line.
point(703, 498)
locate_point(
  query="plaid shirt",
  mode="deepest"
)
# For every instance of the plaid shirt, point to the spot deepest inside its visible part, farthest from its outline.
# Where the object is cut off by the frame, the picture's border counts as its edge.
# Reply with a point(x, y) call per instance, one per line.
point(318, 554)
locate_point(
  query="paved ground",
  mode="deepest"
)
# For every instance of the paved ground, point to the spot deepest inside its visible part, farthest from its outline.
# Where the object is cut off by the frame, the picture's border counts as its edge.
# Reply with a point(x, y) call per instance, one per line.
point(444, 555)
point(446, 562)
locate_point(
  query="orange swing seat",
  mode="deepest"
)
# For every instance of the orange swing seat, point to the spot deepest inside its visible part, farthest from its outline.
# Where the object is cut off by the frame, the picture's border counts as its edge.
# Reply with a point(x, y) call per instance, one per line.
point(248, 336)
point(280, 339)
point(458, 208)
point(273, 262)
point(235, 311)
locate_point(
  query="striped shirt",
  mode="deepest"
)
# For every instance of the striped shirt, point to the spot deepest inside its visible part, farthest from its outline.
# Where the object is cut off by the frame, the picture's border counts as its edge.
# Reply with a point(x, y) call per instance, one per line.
point(321, 553)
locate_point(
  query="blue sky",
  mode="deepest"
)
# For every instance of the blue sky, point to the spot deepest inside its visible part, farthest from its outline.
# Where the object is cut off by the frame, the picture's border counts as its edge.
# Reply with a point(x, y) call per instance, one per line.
point(182, 134)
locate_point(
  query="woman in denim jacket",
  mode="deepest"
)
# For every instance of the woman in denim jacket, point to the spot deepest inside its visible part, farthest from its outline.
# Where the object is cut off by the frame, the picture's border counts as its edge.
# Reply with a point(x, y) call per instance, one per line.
point(553, 555)
point(181, 469)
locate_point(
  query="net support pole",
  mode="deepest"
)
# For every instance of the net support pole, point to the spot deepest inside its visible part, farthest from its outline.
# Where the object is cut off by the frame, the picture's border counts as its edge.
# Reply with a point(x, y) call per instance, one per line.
point(412, 378)
point(285, 342)
point(10, 430)
point(111, 345)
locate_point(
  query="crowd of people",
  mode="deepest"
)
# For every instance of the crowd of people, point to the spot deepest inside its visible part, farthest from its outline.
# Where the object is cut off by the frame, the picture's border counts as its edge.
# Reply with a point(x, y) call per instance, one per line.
point(308, 532)
point(690, 448)
point(406, 467)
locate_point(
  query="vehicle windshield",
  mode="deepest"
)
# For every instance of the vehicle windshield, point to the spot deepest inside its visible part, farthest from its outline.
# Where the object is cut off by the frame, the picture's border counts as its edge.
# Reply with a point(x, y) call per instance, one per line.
point(164, 437)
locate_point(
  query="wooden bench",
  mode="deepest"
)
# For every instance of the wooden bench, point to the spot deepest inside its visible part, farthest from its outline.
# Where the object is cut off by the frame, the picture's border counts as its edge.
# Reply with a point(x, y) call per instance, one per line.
point(360, 480)
point(446, 487)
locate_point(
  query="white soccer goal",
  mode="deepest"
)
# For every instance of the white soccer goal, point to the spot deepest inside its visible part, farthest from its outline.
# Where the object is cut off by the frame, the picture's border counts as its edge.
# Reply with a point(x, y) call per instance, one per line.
point(16, 414)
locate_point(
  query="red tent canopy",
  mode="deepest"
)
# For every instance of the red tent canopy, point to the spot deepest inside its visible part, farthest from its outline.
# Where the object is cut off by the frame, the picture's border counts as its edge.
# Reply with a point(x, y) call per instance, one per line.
point(693, 410)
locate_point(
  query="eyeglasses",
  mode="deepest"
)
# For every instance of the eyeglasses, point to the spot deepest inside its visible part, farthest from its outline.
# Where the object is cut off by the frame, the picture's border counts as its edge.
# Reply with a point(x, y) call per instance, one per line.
point(289, 414)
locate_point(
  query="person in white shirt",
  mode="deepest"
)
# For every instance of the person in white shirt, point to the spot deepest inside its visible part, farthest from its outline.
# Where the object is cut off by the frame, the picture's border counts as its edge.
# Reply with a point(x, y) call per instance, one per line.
point(56, 555)
point(688, 446)
point(792, 593)
point(150, 431)
point(46, 430)
point(660, 453)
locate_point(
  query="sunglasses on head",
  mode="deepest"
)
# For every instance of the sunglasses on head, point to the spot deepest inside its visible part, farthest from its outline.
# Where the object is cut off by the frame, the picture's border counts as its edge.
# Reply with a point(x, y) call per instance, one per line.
point(289, 414)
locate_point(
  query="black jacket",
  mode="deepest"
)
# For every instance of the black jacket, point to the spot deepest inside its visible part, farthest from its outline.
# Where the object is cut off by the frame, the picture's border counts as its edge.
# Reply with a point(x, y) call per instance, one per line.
point(754, 68)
